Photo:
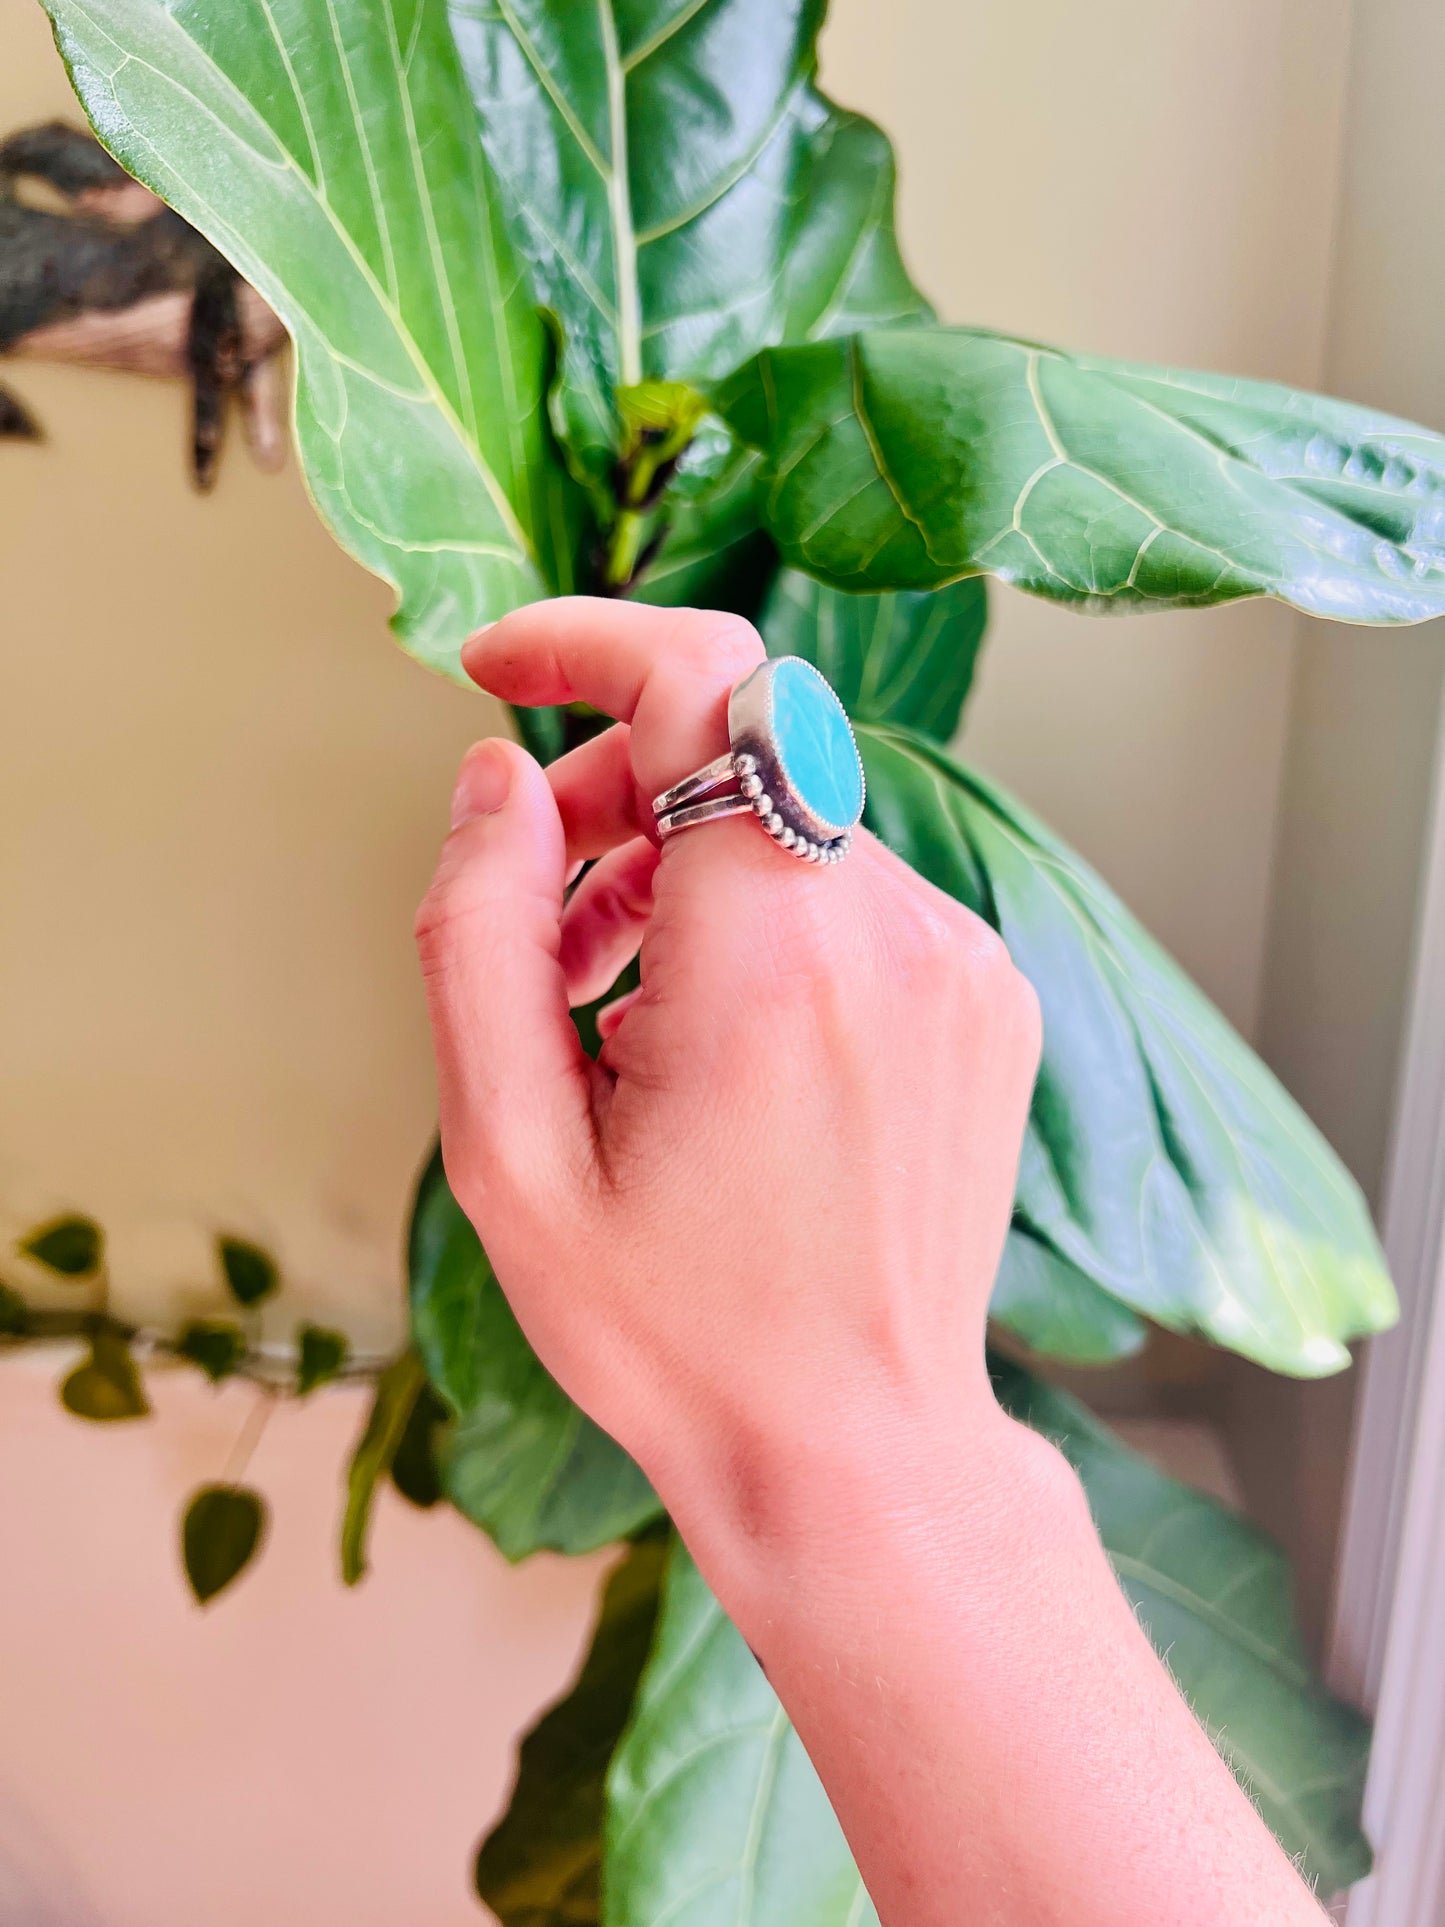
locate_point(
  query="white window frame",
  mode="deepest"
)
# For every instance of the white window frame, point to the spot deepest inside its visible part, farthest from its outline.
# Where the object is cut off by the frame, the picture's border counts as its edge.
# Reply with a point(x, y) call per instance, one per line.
point(1387, 1642)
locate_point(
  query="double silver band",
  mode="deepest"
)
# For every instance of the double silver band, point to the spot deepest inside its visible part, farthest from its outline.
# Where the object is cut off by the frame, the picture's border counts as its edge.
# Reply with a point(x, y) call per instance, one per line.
point(676, 810)
point(719, 771)
point(696, 814)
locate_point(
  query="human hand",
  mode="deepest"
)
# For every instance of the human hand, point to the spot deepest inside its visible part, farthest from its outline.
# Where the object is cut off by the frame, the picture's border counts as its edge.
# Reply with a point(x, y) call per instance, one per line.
point(756, 1242)
point(756, 1239)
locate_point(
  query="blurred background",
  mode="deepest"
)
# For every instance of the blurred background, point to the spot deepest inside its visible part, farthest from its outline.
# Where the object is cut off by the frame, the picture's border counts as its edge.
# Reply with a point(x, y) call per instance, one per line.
point(221, 791)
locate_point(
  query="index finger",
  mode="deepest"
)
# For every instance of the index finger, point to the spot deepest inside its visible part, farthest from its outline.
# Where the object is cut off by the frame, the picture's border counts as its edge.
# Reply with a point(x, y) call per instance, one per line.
point(667, 672)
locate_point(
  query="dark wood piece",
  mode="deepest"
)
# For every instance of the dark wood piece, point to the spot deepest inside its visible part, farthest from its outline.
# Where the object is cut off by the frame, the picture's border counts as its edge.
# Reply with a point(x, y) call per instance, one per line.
point(94, 269)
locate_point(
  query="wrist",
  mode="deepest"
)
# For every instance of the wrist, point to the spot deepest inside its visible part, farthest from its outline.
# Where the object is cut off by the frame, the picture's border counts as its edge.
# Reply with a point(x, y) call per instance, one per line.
point(806, 1524)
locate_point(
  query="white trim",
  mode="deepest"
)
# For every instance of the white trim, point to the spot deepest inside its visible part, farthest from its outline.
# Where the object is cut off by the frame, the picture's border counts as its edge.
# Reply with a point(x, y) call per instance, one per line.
point(1387, 1644)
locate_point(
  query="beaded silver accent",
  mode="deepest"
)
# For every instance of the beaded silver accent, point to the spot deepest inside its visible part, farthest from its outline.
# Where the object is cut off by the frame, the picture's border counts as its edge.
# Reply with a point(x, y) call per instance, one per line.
point(753, 765)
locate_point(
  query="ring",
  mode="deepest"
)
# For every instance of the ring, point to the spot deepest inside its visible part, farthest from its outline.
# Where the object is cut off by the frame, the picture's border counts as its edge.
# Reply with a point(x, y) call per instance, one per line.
point(794, 761)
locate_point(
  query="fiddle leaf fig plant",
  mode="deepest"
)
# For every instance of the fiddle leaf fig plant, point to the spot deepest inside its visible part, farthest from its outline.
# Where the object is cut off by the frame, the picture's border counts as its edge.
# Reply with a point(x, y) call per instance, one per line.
point(607, 298)
point(906, 461)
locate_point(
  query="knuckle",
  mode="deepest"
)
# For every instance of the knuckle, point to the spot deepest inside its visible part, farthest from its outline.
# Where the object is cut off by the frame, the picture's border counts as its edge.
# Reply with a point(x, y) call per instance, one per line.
point(624, 899)
point(1000, 991)
point(724, 647)
point(941, 946)
point(455, 914)
point(944, 951)
point(987, 953)
point(609, 906)
point(432, 920)
point(437, 916)
point(943, 957)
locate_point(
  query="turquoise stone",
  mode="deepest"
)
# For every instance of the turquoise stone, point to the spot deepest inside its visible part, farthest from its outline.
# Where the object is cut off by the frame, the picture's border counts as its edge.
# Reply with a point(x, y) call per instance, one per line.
point(814, 743)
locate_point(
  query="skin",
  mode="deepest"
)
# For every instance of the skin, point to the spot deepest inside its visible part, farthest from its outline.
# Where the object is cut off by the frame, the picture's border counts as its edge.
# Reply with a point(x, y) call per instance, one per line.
point(756, 1241)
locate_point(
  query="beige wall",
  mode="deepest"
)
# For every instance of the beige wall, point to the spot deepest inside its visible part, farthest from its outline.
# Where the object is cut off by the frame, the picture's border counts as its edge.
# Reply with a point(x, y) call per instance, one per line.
point(220, 790)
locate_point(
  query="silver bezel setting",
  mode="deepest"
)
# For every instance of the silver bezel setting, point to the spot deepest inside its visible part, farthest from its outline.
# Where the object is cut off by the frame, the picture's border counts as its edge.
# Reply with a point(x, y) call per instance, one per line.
point(763, 785)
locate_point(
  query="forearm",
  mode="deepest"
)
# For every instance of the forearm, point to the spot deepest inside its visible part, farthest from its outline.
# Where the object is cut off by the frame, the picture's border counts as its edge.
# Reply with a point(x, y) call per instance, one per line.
point(998, 1738)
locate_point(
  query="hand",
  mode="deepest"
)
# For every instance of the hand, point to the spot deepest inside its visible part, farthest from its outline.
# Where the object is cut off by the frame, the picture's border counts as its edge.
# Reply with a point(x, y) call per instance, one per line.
point(756, 1240)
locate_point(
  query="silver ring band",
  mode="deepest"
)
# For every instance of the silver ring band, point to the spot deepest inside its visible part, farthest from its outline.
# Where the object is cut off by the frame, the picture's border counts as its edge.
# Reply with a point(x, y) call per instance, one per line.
point(695, 814)
point(719, 770)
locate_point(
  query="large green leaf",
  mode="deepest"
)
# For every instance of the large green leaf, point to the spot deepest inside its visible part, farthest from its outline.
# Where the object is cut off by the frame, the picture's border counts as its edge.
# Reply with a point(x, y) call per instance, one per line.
point(896, 657)
point(330, 152)
point(684, 196)
point(1216, 1598)
point(540, 1865)
point(714, 1812)
point(521, 1460)
point(1162, 1159)
point(716, 1815)
point(1056, 1309)
point(682, 192)
point(906, 460)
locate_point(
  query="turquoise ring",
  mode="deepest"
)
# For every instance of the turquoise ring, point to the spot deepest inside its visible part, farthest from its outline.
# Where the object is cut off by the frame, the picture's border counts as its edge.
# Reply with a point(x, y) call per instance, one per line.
point(793, 765)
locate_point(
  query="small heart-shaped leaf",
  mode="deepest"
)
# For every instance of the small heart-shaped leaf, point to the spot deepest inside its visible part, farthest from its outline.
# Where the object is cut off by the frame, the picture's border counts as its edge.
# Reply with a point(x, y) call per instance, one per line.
point(71, 1246)
point(320, 1355)
point(214, 1345)
point(220, 1534)
point(250, 1273)
point(106, 1386)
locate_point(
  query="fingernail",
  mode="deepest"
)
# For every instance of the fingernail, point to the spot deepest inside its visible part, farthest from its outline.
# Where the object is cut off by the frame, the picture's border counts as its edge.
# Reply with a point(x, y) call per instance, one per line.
point(483, 785)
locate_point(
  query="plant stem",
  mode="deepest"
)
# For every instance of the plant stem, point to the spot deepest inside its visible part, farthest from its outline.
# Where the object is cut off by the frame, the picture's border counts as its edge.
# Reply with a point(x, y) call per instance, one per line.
point(272, 1371)
point(623, 549)
point(249, 1436)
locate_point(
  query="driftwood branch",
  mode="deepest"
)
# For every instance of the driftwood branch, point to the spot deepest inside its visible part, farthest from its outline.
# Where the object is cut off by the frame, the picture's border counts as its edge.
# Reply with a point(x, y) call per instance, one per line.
point(95, 270)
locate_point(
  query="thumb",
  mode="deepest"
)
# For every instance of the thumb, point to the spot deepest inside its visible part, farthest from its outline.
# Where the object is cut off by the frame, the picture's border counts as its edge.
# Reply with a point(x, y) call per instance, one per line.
point(514, 1084)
